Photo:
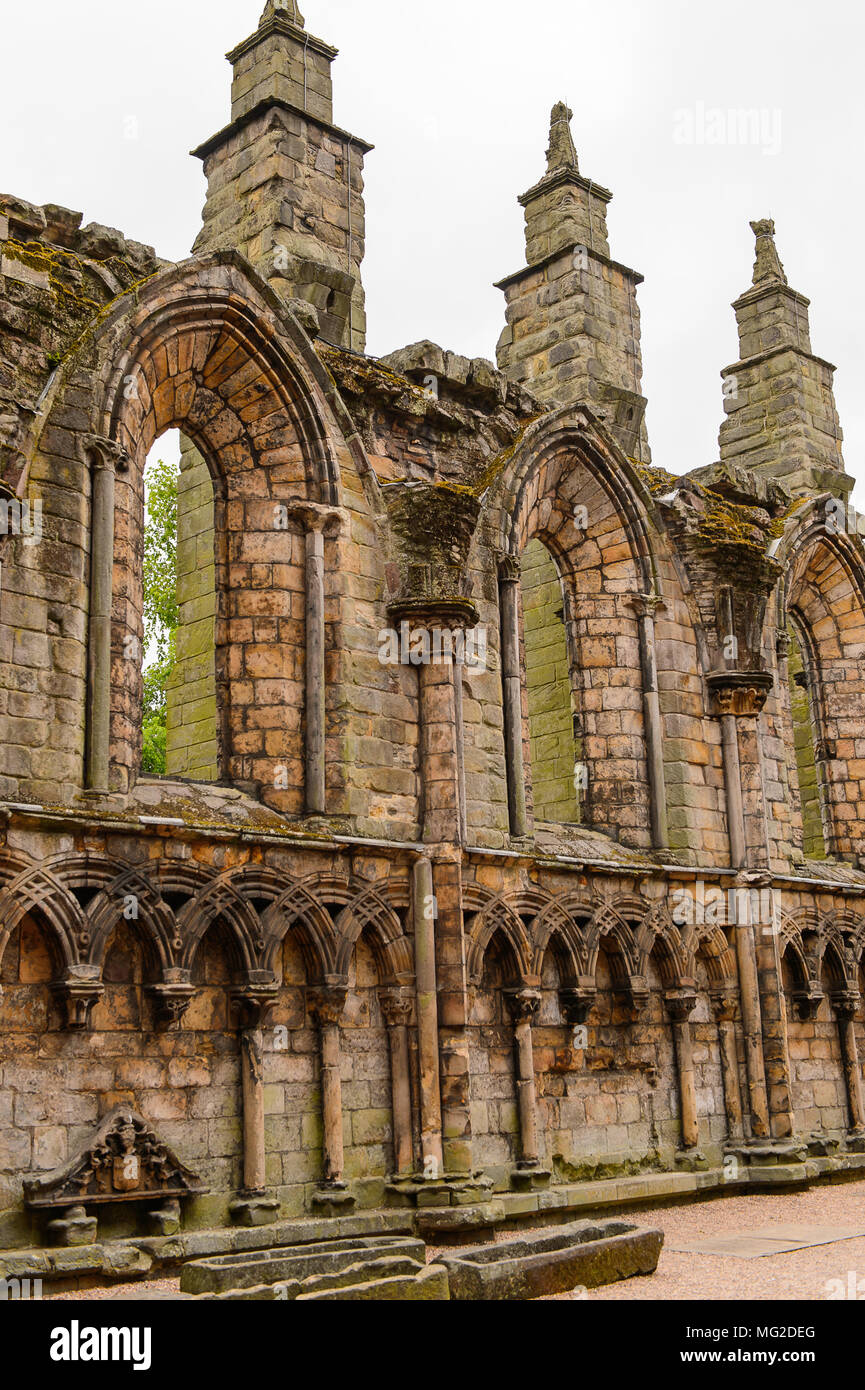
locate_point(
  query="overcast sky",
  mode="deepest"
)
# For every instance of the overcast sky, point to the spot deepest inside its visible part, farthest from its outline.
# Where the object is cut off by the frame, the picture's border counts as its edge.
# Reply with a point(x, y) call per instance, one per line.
point(101, 102)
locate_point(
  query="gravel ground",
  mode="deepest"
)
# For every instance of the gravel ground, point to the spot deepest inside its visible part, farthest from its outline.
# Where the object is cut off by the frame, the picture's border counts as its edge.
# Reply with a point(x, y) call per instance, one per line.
point(799, 1275)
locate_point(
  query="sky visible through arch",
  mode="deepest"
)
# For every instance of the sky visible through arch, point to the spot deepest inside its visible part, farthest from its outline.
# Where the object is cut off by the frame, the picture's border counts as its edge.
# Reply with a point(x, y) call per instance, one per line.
point(103, 102)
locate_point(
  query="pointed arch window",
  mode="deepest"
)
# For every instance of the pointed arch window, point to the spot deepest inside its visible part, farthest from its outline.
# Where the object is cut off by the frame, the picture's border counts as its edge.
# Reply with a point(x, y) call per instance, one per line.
point(809, 747)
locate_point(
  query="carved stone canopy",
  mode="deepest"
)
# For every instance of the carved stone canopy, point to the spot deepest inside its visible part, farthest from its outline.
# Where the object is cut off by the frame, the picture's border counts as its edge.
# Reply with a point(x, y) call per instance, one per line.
point(125, 1160)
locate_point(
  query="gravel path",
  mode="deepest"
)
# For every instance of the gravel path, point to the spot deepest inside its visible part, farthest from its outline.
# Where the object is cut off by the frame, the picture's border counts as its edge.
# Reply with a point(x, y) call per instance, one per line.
point(798, 1275)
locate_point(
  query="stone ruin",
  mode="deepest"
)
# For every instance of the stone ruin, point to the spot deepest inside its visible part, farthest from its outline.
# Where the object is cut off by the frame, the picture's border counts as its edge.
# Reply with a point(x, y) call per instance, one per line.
point(509, 856)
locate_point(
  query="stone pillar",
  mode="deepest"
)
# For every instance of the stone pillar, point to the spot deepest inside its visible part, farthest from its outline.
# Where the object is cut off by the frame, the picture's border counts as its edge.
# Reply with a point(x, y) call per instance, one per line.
point(724, 1008)
point(680, 1005)
point(739, 698)
point(846, 1003)
point(105, 457)
point(251, 1070)
point(509, 611)
point(423, 913)
point(523, 1004)
point(326, 1005)
point(315, 705)
point(252, 1004)
point(645, 606)
point(396, 1006)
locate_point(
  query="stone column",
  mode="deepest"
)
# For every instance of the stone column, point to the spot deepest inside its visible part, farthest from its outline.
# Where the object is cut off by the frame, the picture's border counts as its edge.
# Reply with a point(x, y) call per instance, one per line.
point(315, 704)
point(326, 1005)
point(680, 1005)
point(846, 1003)
point(396, 1006)
point(509, 611)
point(105, 457)
point(523, 1004)
point(645, 606)
point(724, 1008)
point(423, 914)
point(739, 698)
point(252, 1004)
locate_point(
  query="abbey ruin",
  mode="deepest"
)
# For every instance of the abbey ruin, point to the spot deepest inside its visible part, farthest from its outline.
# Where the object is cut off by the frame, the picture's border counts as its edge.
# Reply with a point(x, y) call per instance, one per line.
point(511, 851)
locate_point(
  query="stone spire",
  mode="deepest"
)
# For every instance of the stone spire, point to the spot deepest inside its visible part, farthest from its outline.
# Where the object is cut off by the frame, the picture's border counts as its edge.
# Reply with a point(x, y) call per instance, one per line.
point(767, 267)
point(288, 9)
point(562, 153)
point(778, 398)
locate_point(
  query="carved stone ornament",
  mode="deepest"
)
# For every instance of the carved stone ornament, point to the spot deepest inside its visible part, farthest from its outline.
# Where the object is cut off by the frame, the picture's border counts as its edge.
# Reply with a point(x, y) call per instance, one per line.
point(126, 1160)
point(740, 693)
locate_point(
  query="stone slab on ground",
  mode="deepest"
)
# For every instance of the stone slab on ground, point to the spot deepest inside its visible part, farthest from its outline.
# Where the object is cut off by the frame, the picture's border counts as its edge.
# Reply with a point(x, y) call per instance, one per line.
point(773, 1240)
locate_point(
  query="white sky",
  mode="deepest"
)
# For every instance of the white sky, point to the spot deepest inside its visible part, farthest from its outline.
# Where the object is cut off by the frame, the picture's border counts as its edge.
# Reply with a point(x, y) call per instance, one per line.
point(101, 102)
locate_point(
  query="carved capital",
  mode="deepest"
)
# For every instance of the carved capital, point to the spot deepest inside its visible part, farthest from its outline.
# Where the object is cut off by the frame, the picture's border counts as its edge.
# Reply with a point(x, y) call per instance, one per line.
point(807, 998)
point(172, 997)
point(740, 693)
point(105, 454)
point(327, 1003)
point(315, 516)
point(645, 605)
point(396, 1006)
point(846, 1003)
point(782, 645)
point(79, 988)
point(680, 1004)
point(252, 1002)
point(724, 1004)
point(523, 1003)
point(509, 569)
point(577, 1002)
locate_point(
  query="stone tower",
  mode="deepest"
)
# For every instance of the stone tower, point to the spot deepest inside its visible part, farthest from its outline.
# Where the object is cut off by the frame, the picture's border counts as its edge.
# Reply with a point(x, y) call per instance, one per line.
point(781, 417)
point(573, 326)
point(284, 184)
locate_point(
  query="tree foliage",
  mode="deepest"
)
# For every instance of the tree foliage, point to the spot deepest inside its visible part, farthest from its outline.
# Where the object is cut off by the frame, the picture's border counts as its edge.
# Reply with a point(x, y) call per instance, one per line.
point(160, 609)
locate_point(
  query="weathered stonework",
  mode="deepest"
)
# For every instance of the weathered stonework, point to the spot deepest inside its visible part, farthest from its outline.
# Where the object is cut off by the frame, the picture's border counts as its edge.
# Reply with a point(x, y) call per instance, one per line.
point(414, 923)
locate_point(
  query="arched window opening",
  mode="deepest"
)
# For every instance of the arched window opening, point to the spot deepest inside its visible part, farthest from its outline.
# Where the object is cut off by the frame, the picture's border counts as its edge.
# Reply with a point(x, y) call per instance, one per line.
point(556, 751)
point(806, 745)
point(179, 703)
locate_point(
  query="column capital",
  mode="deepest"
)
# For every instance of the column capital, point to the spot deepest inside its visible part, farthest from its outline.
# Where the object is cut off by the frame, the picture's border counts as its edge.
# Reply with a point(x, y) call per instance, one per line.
point(577, 1001)
point(315, 516)
point(724, 1003)
point(846, 1002)
point(327, 1002)
point(742, 694)
point(104, 454)
point(80, 987)
point(808, 998)
point(509, 569)
point(680, 1003)
point(645, 605)
point(396, 1006)
point(253, 1001)
point(523, 1003)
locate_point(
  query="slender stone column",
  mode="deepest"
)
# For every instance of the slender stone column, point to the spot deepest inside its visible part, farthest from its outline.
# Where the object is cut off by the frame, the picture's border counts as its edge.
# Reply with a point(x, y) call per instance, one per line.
point(251, 1069)
point(396, 1005)
point(315, 703)
point(523, 1004)
point(733, 785)
point(509, 610)
point(847, 1004)
point(252, 1003)
point(104, 456)
point(423, 913)
point(645, 606)
point(680, 1005)
point(326, 1005)
point(724, 1007)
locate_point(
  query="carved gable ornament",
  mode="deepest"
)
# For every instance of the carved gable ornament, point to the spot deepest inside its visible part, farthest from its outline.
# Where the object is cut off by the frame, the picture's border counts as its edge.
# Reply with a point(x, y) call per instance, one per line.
point(126, 1160)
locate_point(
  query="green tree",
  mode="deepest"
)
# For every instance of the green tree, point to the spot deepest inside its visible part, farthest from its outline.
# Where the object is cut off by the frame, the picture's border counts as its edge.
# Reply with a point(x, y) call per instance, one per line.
point(160, 609)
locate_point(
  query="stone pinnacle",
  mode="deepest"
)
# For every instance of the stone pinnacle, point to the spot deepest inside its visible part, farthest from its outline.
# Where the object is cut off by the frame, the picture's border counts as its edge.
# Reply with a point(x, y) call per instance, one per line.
point(562, 153)
point(289, 9)
point(767, 267)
